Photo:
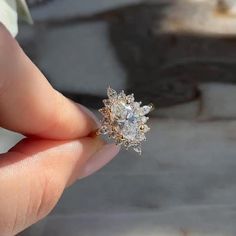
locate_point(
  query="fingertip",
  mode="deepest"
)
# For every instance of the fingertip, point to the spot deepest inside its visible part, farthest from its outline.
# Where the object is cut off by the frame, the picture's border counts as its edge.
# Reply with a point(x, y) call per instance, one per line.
point(96, 122)
point(99, 159)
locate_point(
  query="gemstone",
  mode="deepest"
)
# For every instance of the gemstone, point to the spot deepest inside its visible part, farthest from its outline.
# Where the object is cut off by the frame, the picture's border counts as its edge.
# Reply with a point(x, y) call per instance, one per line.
point(141, 137)
point(103, 110)
point(119, 111)
point(128, 130)
point(126, 119)
point(145, 110)
point(121, 95)
point(130, 98)
point(144, 119)
point(138, 149)
point(111, 93)
point(106, 102)
point(136, 105)
point(103, 130)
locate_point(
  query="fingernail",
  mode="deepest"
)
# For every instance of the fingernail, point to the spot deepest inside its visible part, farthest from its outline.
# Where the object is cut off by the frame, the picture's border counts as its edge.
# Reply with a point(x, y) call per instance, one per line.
point(91, 115)
point(100, 159)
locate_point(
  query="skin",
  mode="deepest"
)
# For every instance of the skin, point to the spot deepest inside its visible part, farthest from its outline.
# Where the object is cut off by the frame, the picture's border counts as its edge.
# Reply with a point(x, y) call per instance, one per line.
point(59, 147)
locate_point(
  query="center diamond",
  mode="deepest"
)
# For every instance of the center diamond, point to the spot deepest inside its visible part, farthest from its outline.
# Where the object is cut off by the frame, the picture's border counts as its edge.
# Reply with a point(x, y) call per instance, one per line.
point(126, 119)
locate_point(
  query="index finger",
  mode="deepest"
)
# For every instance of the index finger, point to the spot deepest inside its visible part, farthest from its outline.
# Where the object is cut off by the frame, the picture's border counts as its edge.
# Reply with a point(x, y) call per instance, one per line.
point(29, 104)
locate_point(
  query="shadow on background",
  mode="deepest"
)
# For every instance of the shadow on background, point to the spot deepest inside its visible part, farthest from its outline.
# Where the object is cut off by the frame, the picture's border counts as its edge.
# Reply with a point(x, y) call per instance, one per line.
point(161, 68)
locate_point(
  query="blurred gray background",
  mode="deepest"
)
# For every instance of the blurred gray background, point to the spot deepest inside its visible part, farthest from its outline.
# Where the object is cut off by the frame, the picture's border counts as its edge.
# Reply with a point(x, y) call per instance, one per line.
point(180, 55)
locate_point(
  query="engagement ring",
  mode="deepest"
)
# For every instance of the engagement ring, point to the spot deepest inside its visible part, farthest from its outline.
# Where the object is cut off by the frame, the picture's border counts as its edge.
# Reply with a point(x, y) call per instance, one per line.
point(124, 120)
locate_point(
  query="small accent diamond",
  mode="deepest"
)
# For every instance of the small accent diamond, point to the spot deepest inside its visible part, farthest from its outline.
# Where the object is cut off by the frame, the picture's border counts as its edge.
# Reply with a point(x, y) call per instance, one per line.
point(145, 110)
point(111, 93)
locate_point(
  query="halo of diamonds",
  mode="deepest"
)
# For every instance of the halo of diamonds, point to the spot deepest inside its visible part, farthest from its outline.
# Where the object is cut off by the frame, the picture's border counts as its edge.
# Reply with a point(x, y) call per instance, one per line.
point(124, 120)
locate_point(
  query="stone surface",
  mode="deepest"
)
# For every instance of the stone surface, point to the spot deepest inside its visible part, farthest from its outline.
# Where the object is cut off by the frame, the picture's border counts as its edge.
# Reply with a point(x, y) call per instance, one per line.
point(132, 54)
point(167, 68)
point(209, 17)
point(218, 101)
point(183, 164)
point(183, 183)
point(78, 68)
point(180, 221)
point(188, 110)
point(67, 8)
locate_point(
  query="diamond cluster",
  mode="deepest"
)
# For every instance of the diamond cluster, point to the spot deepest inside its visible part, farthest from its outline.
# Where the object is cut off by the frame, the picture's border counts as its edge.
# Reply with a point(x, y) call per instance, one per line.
point(124, 120)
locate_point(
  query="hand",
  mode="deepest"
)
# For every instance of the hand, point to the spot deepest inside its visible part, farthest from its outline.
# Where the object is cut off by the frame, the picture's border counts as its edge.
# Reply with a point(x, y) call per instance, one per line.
point(58, 150)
